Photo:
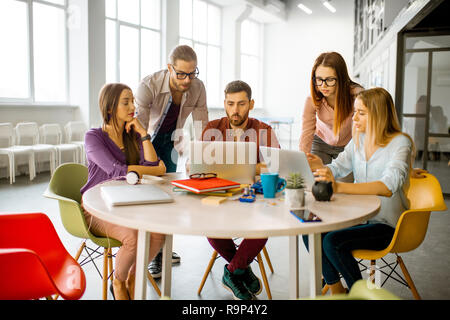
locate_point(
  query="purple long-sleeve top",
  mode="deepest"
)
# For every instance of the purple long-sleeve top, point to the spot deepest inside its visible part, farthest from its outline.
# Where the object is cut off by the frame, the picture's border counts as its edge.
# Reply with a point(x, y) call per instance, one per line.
point(105, 159)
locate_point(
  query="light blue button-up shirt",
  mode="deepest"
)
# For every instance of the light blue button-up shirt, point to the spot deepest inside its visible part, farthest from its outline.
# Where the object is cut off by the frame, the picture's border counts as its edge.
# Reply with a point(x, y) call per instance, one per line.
point(389, 164)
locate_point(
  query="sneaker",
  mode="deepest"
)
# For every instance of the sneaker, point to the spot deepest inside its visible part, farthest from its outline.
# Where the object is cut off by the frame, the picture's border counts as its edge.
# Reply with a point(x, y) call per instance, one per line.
point(234, 283)
point(175, 258)
point(252, 282)
point(155, 267)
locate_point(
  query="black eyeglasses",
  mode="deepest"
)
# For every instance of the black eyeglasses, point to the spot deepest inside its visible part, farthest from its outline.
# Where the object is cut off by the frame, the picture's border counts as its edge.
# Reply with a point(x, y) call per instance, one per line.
point(183, 75)
point(201, 176)
point(330, 82)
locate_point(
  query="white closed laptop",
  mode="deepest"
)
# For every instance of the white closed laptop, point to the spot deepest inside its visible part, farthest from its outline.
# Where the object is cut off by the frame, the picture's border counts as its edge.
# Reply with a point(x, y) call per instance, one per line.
point(121, 195)
point(235, 161)
point(285, 162)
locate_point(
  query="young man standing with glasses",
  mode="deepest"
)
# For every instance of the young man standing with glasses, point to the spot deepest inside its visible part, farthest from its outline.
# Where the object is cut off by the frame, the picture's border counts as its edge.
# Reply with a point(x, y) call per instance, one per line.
point(164, 100)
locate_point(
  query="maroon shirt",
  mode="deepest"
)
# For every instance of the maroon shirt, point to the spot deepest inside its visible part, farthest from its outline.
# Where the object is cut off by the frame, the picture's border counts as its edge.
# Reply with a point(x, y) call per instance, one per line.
point(256, 131)
point(170, 121)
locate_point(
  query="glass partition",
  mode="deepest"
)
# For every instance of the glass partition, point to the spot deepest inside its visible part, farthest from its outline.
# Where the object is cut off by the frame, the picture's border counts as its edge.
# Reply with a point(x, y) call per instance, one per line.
point(426, 103)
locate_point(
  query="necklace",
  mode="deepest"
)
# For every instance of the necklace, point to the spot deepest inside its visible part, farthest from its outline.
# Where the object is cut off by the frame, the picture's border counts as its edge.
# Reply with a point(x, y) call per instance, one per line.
point(115, 137)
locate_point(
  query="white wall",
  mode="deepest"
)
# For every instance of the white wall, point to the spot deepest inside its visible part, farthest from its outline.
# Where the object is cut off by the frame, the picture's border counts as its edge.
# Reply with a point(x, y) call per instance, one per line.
point(291, 49)
point(378, 65)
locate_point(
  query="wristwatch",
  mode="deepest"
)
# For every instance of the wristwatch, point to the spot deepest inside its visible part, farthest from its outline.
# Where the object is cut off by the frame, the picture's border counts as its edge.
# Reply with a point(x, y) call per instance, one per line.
point(146, 137)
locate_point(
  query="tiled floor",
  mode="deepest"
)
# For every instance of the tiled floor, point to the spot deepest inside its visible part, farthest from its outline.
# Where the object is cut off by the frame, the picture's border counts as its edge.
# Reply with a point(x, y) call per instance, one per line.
point(428, 264)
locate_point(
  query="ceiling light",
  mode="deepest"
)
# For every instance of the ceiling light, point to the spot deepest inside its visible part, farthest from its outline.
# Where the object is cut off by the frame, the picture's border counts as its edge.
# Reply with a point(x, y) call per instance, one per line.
point(304, 8)
point(328, 5)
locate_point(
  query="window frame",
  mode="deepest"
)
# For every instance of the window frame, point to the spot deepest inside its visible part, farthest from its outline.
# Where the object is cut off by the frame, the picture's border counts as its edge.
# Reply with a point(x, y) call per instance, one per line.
point(257, 95)
point(31, 99)
point(182, 39)
point(138, 27)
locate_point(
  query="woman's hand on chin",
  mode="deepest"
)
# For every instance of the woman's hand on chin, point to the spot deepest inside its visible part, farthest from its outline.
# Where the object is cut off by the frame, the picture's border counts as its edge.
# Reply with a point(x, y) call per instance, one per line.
point(136, 125)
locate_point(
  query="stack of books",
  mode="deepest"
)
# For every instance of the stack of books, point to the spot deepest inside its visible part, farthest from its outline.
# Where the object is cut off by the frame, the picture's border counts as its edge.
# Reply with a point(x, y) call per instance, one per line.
point(211, 186)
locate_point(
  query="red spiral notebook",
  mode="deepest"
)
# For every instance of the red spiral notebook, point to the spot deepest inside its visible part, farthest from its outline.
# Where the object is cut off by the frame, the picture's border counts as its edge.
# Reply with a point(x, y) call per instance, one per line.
point(205, 185)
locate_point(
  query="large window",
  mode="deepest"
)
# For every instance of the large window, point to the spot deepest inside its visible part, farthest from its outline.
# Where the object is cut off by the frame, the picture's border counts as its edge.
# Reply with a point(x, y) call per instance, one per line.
point(200, 27)
point(251, 58)
point(33, 58)
point(133, 40)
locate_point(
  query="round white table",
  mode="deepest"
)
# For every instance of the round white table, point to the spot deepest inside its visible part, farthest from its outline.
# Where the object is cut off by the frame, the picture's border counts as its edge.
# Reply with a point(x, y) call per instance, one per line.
point(232, 218)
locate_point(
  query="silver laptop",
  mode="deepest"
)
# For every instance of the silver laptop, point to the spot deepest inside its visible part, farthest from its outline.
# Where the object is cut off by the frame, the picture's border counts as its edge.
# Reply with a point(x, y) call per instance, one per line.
point(235, 161)
point(134, 194)
point(287, 161)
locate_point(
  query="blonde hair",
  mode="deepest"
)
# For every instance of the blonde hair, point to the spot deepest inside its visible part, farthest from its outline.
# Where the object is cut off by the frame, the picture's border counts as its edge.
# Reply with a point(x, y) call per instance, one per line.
point(382, 120)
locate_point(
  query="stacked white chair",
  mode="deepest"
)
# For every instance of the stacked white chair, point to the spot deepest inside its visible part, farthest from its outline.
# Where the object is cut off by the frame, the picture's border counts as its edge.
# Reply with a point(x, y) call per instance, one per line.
point(50, 133)
point(29, 131)
point(75, 131)
point(8, 148)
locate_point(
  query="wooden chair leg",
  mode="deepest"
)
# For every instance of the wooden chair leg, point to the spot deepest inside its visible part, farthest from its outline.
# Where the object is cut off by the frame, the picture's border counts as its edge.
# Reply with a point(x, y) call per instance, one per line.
point(264, 276)
point(325, 289)
point(105, 274)
point(154, 284)
point(372, 271)
point(208, 269)
point(110, 263)
point(408, 278)
point(77, 256)
point(267, 259)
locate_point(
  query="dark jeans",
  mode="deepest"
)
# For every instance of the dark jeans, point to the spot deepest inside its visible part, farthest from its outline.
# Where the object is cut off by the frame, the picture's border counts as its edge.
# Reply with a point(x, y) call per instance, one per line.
point(337, 247)
point(241, 257)
point(163, 145)
point(325, 151)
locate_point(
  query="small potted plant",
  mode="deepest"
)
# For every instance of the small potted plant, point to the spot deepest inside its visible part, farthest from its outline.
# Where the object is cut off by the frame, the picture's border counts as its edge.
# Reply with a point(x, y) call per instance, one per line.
point(295, 191)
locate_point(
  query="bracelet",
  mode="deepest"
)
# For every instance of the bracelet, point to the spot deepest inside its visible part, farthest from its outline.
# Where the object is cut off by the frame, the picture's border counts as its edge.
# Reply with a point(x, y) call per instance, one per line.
point(146, 137)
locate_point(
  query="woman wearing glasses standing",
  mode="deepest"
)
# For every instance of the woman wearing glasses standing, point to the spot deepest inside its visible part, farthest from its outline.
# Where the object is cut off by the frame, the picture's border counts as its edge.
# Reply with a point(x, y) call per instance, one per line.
point(327, 115)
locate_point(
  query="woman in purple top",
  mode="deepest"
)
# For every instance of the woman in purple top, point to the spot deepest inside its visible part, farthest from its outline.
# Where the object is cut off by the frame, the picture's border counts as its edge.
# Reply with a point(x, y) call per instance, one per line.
point(121, 145)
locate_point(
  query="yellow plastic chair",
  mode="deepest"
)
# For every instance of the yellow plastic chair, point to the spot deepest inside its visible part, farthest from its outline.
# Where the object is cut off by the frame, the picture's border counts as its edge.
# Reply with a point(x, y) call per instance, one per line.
point(65, 186)
point(425, 196)
point(362, 290)
point(261, 269)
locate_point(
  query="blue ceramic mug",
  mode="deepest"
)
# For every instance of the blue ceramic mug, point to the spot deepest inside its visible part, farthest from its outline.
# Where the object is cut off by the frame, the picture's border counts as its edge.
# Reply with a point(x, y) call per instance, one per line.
point(271, 184)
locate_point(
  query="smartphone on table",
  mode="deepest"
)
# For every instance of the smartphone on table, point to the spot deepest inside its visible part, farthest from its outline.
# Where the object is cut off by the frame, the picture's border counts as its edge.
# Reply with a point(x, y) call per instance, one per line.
point(305, 215)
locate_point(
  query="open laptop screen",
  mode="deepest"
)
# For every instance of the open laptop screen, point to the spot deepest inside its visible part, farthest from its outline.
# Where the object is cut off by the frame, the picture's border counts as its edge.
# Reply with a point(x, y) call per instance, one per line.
point(235, 161)
point(285, 162)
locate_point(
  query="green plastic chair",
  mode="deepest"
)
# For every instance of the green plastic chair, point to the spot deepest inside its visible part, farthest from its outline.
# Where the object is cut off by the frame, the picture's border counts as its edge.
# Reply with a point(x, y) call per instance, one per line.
point(65, 186)
point(363, 290)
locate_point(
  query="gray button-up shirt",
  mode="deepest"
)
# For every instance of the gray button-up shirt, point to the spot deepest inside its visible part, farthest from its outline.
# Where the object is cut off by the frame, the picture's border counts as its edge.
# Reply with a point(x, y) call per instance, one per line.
point(153, 98)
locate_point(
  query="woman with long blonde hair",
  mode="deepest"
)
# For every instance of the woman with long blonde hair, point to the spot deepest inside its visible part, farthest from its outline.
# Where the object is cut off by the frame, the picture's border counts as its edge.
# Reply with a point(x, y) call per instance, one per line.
point(379, 157)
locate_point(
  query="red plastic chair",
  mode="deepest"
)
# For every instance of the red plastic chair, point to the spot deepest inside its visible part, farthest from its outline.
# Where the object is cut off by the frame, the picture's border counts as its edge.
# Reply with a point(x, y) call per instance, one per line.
point(33, 261)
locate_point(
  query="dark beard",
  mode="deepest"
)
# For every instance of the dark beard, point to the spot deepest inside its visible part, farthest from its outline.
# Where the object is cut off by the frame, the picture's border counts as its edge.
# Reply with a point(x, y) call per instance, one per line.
point(241, 121)
point(179, 88)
